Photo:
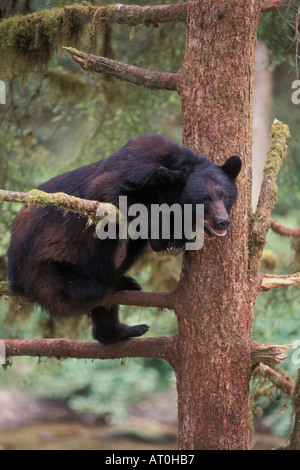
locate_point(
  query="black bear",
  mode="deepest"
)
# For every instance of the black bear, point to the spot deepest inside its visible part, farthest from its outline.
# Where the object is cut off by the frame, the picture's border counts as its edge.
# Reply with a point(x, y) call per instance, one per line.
point(54, 258)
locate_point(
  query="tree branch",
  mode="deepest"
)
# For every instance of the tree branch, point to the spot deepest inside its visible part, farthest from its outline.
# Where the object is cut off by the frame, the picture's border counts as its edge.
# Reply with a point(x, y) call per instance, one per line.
point(271, 281)
point(167, 299)
point(261, 220)
point(61, 200)
point(284, 231)
point(87, 208)
point(269, 354)
point(134, 15)
point(122, 71)
point(294, 439)
point(140, 299)
point(271, 4)
point(276, 378)
point(158, 347)
point(48, 30)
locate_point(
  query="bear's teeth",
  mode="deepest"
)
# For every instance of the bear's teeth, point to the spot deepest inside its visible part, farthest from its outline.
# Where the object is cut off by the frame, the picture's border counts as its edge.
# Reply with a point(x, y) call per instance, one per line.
point(219, 233)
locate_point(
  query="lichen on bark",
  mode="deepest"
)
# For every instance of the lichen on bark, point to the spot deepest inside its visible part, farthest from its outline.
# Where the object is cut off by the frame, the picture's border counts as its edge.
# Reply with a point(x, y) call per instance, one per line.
point(27, 41)
point(261, 221)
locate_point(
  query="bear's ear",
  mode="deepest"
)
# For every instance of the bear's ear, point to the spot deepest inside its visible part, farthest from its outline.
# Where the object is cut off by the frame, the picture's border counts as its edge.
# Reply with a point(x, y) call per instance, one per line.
point(232, 166)
point(170, 177)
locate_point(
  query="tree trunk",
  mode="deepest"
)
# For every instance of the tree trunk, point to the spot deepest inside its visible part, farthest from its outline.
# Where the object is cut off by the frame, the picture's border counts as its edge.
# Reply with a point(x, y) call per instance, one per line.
point(215, 295)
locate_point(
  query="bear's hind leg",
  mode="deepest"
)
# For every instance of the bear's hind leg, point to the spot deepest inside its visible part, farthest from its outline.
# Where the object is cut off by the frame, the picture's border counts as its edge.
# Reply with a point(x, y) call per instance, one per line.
point(127, 283)
point(107, 329)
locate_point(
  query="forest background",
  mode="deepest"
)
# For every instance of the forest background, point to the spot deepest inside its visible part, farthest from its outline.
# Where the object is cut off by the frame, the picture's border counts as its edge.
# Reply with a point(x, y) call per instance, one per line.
point(58, 118)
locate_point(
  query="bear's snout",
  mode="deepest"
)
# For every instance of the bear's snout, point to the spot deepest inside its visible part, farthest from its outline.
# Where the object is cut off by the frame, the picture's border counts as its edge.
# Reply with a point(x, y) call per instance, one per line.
point(221, 223)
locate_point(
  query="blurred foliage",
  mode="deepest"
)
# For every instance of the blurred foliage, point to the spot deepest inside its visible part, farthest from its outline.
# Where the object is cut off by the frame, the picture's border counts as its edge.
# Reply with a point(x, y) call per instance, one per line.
point(277, 29)
point(277, 313)
point(277, 320)
point(58, 118)
point(289, 113)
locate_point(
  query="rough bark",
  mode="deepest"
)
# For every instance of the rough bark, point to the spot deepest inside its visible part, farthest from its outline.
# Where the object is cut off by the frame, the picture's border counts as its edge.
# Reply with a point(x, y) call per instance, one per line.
point(215, 318)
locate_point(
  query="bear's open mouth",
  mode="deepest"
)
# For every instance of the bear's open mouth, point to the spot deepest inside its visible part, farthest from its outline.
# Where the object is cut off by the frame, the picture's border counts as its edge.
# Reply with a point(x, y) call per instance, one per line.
point(214, 232)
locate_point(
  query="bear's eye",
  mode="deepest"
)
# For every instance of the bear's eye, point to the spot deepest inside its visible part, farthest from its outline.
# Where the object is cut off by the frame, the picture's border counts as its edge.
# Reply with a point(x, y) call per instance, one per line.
point(206, 199)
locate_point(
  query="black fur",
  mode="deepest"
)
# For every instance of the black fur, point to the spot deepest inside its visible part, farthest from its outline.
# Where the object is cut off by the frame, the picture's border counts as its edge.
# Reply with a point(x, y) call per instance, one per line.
point(55, 260)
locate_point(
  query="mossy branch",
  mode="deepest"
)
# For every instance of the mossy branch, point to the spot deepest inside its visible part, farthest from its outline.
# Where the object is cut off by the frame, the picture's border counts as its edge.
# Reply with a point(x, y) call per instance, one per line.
point(122, 71)
point(261, 220)
point(83, 207)
point(29, 41)
point(277, 377)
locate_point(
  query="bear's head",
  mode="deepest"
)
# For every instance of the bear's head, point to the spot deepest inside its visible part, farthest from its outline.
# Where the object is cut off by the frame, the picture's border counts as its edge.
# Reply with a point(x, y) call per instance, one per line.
point(208, 184)
point(214, 187)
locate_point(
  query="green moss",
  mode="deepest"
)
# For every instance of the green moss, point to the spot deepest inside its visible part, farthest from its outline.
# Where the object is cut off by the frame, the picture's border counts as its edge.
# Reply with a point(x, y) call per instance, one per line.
point(269, 261)
point(61, 200)
point(27, 41)
point(67, 83)
point(296, 247)
point(279, 135)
